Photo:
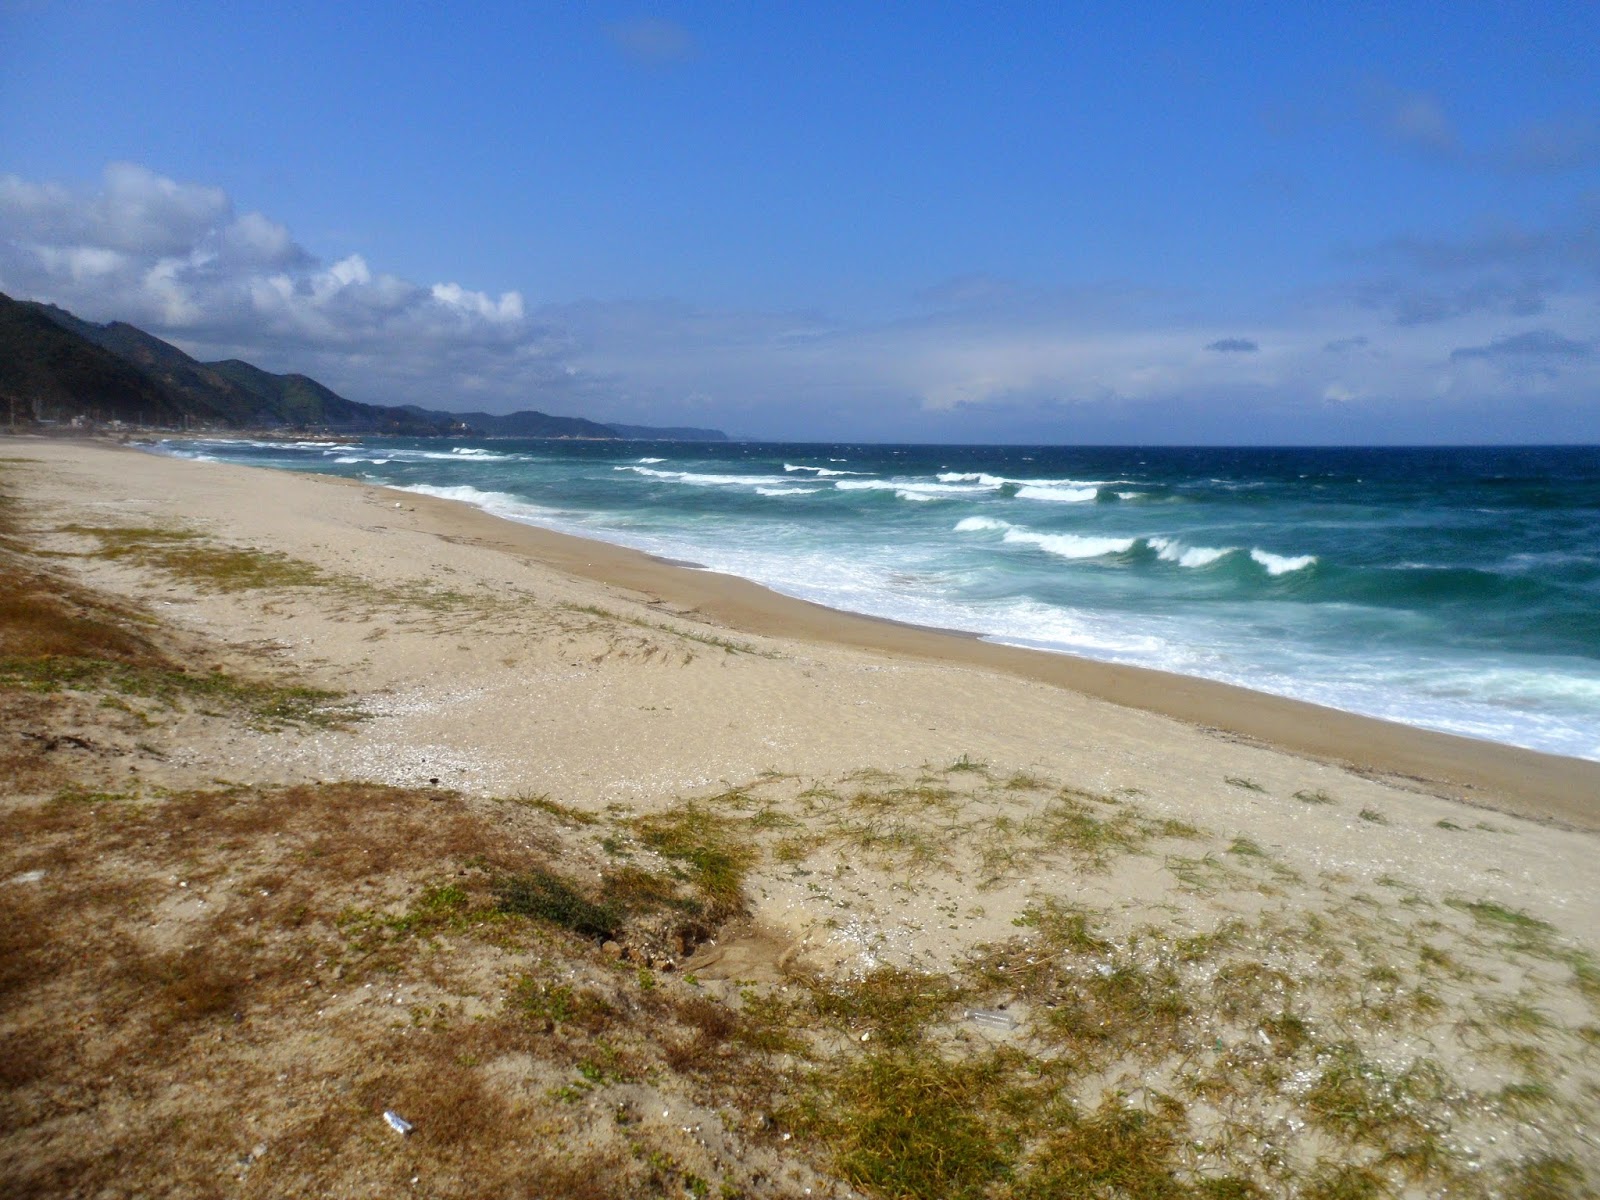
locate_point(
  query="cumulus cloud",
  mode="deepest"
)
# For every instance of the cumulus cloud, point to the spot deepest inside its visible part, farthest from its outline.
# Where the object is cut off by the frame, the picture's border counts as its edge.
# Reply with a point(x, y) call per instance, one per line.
point(177, 259)
point(974, 358)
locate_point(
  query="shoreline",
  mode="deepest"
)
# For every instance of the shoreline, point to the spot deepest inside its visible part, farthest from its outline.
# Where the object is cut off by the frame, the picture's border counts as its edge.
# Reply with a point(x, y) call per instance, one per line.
point(1524, 783)
point(1505, 778)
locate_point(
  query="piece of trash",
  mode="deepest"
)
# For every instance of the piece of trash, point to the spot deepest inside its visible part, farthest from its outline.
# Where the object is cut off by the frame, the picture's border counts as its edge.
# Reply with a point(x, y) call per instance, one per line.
point(396, 1122)
point(27, 877)
point(992, 1018)
point(867, 1036)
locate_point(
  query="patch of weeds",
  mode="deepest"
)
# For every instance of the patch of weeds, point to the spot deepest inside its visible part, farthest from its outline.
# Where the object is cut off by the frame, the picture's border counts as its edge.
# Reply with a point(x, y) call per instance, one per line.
point(1359, 1101)
point(1521, 930)
point(1129, 1006)
point(1585, 974)
point(1313, 796)
point(1115, 1150)
point(896, 1006)
point(1246, 847)
point(1249, 785)
point(1524, 1099)
point(1023, 781)
point(184, 554)
point(1063, 927)
point(1430, 956)
point(771, 817)
point(636, 891)
point(1199, 946)
point(977, 766)
point(1446, 823)
point(1069, 824)
point(863, 775)
point(1548, 1177)
point(74, 793)
point(559, 1004)
point(1168, 827)
point(1346, 1181)
point(264, 705)
point(709, 846)
point(795, 849)
point(895, 839)
point(543, 802)
point(909, 1124)
point(550, 898)
point(1204, 874)
point(1515, 1015)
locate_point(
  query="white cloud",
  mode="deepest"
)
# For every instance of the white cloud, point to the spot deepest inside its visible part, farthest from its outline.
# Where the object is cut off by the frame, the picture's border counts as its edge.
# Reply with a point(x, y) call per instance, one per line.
point(176, 258)
point(452, 295)
point(989, 359)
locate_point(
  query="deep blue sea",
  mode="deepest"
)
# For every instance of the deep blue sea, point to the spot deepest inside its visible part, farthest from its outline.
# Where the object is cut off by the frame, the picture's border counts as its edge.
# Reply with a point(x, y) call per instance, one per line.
point(1455, 589)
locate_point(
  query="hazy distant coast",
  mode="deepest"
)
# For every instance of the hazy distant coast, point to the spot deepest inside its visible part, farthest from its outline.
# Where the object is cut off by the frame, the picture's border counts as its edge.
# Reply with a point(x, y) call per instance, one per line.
point(60, 371)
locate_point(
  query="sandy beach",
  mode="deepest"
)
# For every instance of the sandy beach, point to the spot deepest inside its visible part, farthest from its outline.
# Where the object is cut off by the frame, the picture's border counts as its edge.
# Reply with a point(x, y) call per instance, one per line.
point(497, 660)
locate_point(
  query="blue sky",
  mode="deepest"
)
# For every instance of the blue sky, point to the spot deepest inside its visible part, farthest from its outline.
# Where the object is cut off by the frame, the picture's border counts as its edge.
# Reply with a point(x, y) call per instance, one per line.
point(1168, 223)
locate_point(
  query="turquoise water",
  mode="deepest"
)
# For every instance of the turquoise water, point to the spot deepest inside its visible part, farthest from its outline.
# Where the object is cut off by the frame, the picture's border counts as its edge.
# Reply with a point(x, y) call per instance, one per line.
point(1454, 589)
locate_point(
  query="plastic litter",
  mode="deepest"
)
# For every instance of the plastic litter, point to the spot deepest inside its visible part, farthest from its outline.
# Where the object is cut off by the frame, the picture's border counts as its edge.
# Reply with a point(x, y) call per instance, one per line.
point(396, 1122)
point(992, 1018)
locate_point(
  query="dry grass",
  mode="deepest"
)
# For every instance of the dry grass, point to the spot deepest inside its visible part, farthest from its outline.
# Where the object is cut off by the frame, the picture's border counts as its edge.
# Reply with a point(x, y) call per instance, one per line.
point(257, 944)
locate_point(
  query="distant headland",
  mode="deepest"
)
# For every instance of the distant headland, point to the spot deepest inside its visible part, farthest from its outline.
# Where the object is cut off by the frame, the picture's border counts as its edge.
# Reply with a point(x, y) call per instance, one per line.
point(58, 370)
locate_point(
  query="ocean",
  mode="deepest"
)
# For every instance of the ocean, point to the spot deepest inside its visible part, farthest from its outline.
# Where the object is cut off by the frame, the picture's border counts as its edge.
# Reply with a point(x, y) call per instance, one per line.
point(1455, 589)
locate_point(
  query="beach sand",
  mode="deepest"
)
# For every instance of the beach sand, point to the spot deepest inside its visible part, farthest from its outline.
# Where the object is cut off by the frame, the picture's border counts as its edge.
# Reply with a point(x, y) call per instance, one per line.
point(922, 789)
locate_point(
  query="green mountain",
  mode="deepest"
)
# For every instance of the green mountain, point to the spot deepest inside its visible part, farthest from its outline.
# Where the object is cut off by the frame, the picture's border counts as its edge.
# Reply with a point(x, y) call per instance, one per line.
point(301, 402)
point(48, 373)
point(206, 396)
point(55, 366)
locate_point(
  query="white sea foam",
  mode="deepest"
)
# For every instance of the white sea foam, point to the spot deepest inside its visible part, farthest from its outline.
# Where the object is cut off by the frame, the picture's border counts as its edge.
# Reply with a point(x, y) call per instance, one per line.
point(976, 524)
point(1070, 545)
point(649, 460)
point(904, 489)
point(698, 479)
point(499, 504)
point(1057, 495)
point(787, 491)
point(821, 471)
point(456, 455)
point(1172, 550)
point(1278, 564)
